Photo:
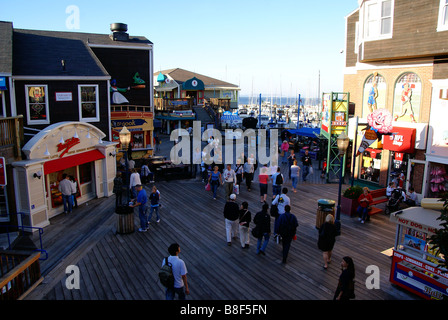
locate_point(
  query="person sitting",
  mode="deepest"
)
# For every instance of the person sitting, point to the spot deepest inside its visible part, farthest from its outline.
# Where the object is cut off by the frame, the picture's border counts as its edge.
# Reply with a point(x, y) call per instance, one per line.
point(391, 187)
point(364, 200)
point(411, 198)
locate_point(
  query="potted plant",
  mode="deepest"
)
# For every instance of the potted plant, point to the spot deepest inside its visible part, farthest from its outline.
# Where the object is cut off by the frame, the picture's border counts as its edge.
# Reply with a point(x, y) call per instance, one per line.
point(440, 238)
point(349, 200)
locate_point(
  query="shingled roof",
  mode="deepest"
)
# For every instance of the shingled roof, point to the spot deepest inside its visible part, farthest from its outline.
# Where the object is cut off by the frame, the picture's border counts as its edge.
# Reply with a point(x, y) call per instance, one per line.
point(6, 47)
point(181, 75)
point(39, 52)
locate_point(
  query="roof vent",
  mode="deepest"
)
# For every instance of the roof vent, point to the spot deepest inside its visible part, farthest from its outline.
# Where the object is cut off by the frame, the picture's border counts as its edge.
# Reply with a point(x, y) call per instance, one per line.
point(119, 32)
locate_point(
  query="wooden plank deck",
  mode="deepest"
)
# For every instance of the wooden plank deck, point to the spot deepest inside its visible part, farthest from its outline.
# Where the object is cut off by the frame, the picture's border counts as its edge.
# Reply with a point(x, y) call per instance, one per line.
point(124, 267)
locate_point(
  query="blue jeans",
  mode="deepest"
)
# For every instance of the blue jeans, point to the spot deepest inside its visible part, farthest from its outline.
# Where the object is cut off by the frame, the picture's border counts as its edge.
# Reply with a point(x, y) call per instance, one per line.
point(286, 245)
point(276, 189)
point(306, 170)
point(294, 181)
point(170, 292)
point(362, 212)
point(151, 210)
point(260, 246)
point(142, 216)
point(67, 200)
point(214, 186)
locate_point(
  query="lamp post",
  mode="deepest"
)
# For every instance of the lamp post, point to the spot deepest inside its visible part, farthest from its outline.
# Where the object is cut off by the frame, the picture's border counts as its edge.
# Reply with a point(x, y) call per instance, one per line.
point(342, 141)
point(125, 139)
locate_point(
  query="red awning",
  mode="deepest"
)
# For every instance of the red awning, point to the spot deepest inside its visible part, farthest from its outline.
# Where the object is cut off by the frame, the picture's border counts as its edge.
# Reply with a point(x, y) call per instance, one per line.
point(72, 161)
point(402, 140)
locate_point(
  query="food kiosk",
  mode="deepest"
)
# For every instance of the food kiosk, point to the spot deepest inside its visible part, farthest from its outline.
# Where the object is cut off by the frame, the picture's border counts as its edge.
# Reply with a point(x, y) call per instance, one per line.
point(414, 264)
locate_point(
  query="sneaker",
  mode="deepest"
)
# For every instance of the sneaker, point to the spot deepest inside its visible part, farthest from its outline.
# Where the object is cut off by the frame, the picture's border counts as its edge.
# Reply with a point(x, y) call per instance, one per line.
point(362, 221)
point(142, 230)
point(158, 221)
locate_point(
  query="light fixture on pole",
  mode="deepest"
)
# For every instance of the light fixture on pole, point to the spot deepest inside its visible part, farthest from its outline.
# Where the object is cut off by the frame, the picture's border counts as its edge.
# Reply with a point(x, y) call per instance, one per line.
point(125, 140)
point(342, 142)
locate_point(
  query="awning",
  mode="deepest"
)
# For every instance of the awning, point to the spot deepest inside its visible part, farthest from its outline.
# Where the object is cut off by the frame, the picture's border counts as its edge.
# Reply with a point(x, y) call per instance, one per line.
point(402, 140)
point(230, 118)
point(307, 132)
point(72, 161)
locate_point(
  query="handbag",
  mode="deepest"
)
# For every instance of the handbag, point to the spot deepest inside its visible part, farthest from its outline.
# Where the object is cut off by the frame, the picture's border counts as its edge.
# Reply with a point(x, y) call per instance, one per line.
point(236, 189)
point(208, 187)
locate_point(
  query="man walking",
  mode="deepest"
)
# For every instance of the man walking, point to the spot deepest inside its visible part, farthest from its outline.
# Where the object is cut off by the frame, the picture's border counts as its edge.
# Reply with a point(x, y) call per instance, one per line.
point(67, 189)
point(231, 215)
point(141, 204)
point(179, 272)
point(306, 163)
point(229, 180)
point(286, 228)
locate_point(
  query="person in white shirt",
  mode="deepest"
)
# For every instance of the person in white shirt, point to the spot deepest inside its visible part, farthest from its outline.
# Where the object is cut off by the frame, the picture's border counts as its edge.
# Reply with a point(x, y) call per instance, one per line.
point(67, 189)
point(133, 181)
point(179, 272)
point(389, 189)
point(281, 200)
point(229, 177)
point(411, 198)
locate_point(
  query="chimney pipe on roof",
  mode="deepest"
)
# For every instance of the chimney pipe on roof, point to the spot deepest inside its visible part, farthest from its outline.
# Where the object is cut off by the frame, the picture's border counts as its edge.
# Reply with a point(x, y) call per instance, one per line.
point(119, 32)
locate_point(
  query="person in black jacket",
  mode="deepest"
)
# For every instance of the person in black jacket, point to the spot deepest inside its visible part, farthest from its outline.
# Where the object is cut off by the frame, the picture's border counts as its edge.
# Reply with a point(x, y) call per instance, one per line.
point(231, 215)
point(346, 285)
point(244, 220)
point(286, 228)
point(262, 222)
point(327, 238)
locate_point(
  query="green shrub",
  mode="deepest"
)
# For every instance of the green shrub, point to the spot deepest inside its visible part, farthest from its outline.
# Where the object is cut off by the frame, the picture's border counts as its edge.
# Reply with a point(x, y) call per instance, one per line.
point(353, 192)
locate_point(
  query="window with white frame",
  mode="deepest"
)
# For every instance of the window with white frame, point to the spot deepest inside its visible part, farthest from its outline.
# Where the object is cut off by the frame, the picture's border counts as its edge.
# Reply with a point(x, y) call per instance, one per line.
point(88, 103)
point(442, 25)
point(37, 109)
point(378, 19)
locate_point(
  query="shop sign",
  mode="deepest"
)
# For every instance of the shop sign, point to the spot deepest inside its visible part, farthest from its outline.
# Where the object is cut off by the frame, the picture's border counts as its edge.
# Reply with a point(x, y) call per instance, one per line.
point(67, 145)
point(2, 171)
point(64, 96)
point(401, 140)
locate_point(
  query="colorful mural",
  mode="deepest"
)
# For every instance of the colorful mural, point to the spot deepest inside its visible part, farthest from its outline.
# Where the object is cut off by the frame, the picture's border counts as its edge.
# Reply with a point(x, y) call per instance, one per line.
point(407, 97)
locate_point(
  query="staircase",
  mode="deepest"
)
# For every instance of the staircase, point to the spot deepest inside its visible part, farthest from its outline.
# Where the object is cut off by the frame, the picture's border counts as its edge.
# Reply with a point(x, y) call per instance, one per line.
point(202, 115)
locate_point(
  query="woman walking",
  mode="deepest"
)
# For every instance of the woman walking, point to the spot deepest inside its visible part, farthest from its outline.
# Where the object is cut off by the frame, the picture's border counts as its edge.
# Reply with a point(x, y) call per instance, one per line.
point(295, 170)
point(215, 180)
point(244, 220)
point(327, 238)
point(346, 285)
point(263, 178)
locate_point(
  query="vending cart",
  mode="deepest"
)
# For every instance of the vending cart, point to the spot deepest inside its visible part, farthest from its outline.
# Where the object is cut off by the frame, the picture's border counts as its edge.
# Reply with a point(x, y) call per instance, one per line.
point(414, 263)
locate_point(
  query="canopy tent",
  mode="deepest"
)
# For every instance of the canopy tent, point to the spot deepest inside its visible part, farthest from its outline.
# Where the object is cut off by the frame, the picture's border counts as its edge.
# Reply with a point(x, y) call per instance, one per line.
point(307, 132)
point(230, 118)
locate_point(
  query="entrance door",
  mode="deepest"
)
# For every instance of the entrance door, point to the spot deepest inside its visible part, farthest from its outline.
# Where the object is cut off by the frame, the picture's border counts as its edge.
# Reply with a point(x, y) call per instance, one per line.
point(416, 177)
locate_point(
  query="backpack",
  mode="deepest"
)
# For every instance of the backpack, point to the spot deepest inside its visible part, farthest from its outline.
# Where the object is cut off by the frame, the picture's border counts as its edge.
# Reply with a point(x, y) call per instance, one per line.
point(279, 179)
point(166, 276)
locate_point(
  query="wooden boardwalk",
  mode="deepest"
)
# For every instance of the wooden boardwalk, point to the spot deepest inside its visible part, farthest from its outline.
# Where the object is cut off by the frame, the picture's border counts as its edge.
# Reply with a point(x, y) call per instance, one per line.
point(124, 267)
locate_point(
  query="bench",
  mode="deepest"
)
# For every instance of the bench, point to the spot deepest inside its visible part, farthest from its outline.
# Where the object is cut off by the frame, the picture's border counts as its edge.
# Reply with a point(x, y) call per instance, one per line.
point(378, 196)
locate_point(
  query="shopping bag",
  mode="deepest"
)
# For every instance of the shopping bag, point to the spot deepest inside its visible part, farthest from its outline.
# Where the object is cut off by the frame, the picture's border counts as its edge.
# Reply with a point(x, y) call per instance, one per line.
point(311, 170)
point(236, 189)
point(208, 187)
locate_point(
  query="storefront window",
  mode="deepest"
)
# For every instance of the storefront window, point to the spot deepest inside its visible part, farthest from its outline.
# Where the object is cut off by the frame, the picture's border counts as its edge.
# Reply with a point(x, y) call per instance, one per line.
point(85, 173)
point(137, 139)
point(399, 168)
point(438, 180)
point(54, 179)
point(37, 104)
point(370, 165)
point(88, 103)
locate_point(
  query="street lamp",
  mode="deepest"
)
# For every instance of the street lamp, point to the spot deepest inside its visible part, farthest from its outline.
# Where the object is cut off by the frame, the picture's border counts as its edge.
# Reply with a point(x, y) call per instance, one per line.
point(125, 139)
point(342, 142)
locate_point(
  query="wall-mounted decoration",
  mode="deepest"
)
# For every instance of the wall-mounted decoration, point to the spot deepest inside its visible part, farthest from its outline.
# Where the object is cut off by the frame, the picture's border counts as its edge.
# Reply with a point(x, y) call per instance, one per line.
point(138, 83)
point(374, 94)
point(117, 97)
point(379, 124)
point(407, 97)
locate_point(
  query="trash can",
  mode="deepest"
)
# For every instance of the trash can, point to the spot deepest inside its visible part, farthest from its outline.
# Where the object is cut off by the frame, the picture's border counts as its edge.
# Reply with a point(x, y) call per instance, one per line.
point(325, 207)
point(125, 219)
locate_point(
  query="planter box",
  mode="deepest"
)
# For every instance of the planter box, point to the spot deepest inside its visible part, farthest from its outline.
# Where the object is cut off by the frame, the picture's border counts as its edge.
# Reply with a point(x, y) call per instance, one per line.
point(349, 206)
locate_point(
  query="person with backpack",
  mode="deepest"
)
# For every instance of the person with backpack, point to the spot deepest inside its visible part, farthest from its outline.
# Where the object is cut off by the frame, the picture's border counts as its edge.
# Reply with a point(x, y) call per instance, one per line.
point(286, 228)
point(154, 199)
point(178, 284)
point(262, 229)
point(277, 181)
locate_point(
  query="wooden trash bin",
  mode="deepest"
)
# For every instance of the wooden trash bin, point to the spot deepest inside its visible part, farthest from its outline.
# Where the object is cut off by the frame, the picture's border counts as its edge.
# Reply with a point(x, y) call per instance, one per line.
point(125, 219)
point(325, 207)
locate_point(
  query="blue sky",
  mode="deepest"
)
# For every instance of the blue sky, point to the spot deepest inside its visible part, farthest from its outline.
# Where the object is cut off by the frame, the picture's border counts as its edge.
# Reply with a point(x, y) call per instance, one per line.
point(275, 48)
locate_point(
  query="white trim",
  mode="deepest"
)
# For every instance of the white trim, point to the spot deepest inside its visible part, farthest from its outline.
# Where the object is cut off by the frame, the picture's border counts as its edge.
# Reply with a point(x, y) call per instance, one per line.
point(440, 26)
point(12, 97)
point(378, 35)
point(3, 103)
point(5, 74)
point(436, 159)
point(109, 110)
point(47, 105)
point(365, 66)
point(146, 47)
point(97, 93)
point(62, 78)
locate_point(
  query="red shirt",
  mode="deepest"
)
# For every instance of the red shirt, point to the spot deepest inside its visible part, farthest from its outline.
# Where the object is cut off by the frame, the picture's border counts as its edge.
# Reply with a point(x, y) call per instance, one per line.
point(263, 178)
point(365, 204)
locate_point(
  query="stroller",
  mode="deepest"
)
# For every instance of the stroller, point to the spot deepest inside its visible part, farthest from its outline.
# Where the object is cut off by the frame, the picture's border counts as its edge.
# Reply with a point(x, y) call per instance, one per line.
point(394, 201)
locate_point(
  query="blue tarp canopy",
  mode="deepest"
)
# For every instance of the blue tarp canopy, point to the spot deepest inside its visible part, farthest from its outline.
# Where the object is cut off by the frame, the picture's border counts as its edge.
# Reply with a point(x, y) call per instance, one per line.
point(230, 117)
point(307, 132)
